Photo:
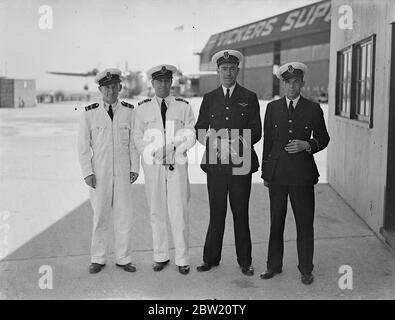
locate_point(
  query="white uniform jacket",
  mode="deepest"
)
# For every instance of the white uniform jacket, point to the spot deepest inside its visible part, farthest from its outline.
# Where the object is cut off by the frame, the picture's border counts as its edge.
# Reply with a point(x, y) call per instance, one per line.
point(167, 190)
point(106, 149)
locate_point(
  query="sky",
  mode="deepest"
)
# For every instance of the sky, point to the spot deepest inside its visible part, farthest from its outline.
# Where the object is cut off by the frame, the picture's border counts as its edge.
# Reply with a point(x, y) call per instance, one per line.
point(89, 34)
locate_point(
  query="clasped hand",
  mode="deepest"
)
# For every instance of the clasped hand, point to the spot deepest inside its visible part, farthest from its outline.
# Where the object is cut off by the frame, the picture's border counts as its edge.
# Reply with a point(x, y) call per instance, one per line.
point(296, 146)
point(224, 148)
point(163, 152)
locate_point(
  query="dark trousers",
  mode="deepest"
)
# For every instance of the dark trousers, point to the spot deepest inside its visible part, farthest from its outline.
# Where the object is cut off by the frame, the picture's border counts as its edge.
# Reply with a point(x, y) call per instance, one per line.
point(302, 202)
point(239, 189)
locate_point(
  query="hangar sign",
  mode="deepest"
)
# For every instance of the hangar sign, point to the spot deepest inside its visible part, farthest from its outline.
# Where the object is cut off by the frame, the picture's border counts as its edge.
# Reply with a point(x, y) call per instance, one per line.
point(305, 20)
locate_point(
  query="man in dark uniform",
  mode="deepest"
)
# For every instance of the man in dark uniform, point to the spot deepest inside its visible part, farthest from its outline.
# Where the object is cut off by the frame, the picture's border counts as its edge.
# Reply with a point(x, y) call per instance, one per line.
point(229, 125)
point(288, 167)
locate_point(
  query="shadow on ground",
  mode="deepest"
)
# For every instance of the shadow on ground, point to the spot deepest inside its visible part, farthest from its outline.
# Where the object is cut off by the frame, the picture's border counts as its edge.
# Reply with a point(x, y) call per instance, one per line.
point(71, 235)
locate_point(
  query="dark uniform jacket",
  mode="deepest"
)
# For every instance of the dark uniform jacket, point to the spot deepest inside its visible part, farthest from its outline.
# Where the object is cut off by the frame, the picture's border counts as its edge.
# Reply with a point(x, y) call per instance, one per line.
point(307, 123)
point(217, 117)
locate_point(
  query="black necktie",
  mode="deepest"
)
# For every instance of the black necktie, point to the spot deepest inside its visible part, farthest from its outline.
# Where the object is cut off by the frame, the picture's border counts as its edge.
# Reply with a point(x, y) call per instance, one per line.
point(291, 108)
point(227, 96)
point(110, 113)
point(163, 109)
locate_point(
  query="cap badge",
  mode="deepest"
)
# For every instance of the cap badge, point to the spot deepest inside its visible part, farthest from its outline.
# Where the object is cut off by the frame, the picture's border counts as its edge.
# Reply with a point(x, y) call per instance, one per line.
point(291, 69)
point(163, 70)
point(226, 55)
point(108, 75)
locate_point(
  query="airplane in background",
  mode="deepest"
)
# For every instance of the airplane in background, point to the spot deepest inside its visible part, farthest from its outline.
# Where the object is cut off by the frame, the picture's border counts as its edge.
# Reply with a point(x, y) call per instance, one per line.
point(91, 73)
point(188, 83)
point(185, 84)
point(134, 82)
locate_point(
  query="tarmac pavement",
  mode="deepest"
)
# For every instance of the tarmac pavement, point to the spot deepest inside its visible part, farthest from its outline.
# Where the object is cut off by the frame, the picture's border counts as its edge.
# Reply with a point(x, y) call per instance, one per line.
point(46, 219)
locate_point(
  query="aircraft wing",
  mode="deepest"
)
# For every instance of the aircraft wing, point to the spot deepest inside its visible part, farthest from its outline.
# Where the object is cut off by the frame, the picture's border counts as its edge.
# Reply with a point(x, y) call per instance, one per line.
point(75, 74)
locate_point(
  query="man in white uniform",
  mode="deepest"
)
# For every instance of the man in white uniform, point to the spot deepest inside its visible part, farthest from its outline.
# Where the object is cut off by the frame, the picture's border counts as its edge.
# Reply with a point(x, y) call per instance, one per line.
point(110, 165)
point(163, 132)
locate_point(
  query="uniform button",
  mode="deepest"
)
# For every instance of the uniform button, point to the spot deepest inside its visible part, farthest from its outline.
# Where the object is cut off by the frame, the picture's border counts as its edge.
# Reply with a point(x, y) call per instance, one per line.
point(275, 126)
point(227, 108)
point(227, 118)
point(290, 131)
point(212, 116)
point(289, 140)
point(290, 121)
point(306, 127)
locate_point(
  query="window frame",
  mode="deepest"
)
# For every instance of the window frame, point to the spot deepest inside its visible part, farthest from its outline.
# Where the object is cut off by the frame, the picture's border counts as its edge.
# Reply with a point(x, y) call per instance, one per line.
point(354, 111)
point(342, 110)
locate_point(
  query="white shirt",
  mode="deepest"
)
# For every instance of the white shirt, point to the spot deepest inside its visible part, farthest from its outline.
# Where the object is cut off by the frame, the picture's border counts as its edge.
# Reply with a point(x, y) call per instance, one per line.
point(230, 90)
point(159, 99)
point(295, 101)
point(113, 106)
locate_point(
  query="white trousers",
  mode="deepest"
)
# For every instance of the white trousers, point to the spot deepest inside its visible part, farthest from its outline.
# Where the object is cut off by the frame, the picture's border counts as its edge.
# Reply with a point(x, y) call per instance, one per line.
point(168, 194)
point(112, 208)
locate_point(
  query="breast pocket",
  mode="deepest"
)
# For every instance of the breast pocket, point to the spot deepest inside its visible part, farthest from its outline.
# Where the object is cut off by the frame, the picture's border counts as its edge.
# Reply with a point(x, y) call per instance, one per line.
point(151, 124)
point(174, 123)
point(98, 133)
point(153, 131)
point(124, 134)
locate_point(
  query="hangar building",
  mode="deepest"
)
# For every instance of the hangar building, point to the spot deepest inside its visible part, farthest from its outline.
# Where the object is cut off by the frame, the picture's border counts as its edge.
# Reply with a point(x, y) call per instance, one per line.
point(17, 93)
point(302, 34)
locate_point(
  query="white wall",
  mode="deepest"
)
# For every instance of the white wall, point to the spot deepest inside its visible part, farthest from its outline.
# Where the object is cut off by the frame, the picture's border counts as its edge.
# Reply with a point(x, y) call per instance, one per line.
point(357, 155)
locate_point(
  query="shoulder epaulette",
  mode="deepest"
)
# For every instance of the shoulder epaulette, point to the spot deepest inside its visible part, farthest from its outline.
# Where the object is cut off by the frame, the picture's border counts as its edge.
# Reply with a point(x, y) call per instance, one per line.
point(181, 99)
point(144, 101)
point(128, 105)
point(92, 106)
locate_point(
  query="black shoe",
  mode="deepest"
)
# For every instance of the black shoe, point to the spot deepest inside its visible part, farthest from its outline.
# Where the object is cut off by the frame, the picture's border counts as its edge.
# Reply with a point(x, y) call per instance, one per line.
point(307, 278)
point(183, 269)
point(129, 267)
point(206, 267)
point(95, 267)
point(270, 274)
point(158, 266)
point(248, 271)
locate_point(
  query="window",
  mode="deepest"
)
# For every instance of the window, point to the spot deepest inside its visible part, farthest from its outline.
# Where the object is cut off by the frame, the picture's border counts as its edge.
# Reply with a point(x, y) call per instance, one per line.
point(355, 80)
point(344, 82)
point(364, 80)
